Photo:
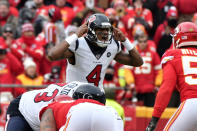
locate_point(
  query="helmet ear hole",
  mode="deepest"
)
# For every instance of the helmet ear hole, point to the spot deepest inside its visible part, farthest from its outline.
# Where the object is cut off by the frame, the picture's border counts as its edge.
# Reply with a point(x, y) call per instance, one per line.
point(87, 91)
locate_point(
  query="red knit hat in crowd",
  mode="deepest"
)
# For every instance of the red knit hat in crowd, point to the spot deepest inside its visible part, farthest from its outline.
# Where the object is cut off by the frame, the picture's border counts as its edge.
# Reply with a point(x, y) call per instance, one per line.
point(27, 27)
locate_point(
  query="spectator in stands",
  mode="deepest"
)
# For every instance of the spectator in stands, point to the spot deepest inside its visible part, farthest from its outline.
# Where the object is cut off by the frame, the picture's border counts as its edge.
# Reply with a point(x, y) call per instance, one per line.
point(28, 46)
point(159, 9)
point(67, 12)
point(8, 35)
point(30, 75)
point(53, 76)
point(26, 14)
point(138, 30)
point(53, 71)
point(162, 35)
point(148, 77)
point(10, 67)
point(52, 27)
point(6, 16)
point(112, 15)
point(122, 15)
point(132, 16)
point(142, 15)
point(55, 20)
point(110, 81)
point(89, 9)
point(126, 81)
point(41, 8)
point(126, 78)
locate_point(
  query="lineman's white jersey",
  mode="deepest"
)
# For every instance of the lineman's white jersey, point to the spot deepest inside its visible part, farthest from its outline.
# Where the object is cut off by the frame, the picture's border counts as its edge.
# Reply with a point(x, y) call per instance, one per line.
point(88, 67)
point(93, 117)
point(33, 101)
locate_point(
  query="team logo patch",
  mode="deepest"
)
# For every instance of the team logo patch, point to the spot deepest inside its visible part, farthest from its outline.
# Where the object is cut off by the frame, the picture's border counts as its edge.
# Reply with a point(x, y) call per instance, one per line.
point(108, 54)
point(91, 19)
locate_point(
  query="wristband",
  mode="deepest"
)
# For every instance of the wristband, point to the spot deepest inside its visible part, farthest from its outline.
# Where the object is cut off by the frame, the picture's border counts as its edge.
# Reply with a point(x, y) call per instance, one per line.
point(128, 45)
point(71, 39)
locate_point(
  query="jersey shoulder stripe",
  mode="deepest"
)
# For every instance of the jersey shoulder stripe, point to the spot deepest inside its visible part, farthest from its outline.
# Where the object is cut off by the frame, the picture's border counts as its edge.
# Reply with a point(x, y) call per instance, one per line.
point(170, 55)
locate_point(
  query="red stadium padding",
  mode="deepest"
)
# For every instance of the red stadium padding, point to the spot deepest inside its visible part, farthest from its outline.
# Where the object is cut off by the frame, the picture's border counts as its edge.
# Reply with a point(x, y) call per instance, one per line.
point(130, 119)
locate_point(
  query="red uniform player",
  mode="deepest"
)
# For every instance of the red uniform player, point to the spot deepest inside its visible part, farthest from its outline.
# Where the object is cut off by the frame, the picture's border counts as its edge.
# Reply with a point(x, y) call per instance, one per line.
point(179, 68)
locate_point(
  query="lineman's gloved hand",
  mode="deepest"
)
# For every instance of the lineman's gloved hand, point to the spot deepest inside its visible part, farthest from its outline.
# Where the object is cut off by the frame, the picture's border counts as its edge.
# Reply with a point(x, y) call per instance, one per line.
point(152, 125)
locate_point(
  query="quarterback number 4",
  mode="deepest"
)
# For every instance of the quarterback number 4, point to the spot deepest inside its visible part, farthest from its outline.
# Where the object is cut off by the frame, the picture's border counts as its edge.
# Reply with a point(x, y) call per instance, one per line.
point(94, 76)
point(190, 68)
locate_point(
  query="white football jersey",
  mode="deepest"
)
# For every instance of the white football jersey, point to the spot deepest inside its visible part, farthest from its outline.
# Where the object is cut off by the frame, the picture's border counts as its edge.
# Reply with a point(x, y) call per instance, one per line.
point(32, 102)
point(88, 67)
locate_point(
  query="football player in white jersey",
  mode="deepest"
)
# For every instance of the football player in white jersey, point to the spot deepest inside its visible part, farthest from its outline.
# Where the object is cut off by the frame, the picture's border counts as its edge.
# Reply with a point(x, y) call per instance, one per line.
point(91, 49)
point(23, 112)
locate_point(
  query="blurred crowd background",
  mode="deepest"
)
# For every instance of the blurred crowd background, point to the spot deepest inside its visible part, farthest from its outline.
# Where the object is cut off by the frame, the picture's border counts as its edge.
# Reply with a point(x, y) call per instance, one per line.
point(29, 28)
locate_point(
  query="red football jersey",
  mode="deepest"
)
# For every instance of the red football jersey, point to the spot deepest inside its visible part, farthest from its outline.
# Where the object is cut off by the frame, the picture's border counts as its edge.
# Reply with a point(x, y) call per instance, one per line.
point(60, 110)
point(179, 70)
point(145, 75)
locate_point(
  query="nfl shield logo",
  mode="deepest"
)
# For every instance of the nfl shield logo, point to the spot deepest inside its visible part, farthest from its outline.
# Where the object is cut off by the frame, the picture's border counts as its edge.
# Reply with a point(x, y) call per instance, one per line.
point(108, 54)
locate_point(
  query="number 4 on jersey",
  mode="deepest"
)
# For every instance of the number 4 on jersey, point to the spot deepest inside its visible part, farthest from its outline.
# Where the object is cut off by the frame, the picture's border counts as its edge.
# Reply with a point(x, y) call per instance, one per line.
point(94, 76)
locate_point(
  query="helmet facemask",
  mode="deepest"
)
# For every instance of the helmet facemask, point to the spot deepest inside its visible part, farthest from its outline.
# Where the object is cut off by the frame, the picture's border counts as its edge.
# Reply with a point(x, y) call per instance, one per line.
point(101, 35)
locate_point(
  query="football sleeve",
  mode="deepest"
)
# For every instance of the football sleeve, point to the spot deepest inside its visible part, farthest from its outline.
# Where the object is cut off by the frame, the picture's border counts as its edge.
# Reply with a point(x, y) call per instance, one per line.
point(166, 89)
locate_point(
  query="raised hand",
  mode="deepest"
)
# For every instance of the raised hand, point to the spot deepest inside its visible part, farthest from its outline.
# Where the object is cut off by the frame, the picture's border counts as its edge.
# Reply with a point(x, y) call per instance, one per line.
point(82, 29)
point(118, 35)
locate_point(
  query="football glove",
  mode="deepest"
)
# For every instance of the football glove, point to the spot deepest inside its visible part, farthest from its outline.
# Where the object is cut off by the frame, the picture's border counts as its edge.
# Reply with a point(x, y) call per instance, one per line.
point(152, 125)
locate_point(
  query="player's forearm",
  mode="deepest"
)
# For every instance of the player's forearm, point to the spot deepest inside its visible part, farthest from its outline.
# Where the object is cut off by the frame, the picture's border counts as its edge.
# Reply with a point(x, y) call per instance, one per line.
point(47, 128)
point(135, 58)
point(161, 102)
point(165, 91)
point(57, 52)
point(47, 121)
